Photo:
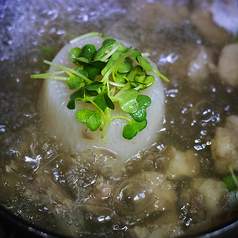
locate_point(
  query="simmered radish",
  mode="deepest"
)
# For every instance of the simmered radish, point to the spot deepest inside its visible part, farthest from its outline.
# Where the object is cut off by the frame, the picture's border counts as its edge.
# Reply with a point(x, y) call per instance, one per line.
point(61, 122)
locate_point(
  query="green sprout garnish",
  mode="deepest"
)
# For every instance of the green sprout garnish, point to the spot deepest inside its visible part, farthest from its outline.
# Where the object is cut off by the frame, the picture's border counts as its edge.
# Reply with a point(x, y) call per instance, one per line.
point(236, 38)
point(113, 74)
point(231, 181)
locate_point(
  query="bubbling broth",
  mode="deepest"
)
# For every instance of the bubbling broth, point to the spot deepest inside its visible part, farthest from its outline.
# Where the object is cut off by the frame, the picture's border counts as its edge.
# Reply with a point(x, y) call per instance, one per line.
point(181, 184)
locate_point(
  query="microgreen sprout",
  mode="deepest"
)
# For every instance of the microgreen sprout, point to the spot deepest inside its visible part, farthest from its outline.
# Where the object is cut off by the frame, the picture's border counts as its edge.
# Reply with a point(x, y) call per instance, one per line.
point(236, 38)
point(231, 181)
point(113, 74)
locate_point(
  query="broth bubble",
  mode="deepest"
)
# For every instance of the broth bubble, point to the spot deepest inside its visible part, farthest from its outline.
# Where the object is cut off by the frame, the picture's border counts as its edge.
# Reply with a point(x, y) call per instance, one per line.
point(203, 111)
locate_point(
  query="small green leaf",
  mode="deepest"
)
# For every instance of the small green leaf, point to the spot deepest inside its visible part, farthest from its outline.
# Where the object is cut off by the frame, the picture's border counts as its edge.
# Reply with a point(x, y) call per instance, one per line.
point(125, 67)
point(143, 102)
point(139, 115)
point(71, 104)
point(129, 60)
point(136, 53)
point(108, 42)
point(133, 128)
point(74, 53)
point(129, 132)
point(135, 71)
point(83, 94)
point(94, 86)
point(84, 114)
point(103, 101)
point(109, 64)
point(83, 72)
point(236, 38)
point(140, 77)
point(139, 126)
point(120, 78)
point(144, 63)
point(116, 55)
point(89, 94)
point(82, 60)
point(88, 52)
point(75, 82)
point(230, 183)
point(94, 121)
point(127, 100)
point(109, 102)
point(150, 79)
point(99, 54)
point(91, 118)
point(78, 94)
point(92, 71)
point(100, 101)
point(135, 84)
point(98, 64)
point(123, 48)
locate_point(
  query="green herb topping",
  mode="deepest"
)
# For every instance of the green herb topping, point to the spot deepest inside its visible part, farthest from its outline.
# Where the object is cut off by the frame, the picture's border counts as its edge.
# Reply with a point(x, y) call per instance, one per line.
point(231, 181)
point(112, 74)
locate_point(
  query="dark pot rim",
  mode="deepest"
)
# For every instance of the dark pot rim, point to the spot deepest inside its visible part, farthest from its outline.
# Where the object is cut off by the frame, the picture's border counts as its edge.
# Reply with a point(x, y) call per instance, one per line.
point(20, 227)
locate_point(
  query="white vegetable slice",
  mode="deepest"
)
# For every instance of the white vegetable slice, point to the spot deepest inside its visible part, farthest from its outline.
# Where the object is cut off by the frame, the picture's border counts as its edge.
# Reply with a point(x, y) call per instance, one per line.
point(61, 122)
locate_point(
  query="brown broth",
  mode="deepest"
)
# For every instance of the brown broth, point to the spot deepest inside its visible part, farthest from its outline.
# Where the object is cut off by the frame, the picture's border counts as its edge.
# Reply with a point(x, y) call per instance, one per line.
point(48, 186)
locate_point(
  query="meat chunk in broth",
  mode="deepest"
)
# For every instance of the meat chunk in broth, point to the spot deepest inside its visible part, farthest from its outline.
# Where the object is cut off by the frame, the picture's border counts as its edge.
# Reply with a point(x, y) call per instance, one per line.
point(204, 199)
point(227, 65)
point(225, 146)
point(201, 66)
point(181, 164)
point(169, 181)
point(212, 33)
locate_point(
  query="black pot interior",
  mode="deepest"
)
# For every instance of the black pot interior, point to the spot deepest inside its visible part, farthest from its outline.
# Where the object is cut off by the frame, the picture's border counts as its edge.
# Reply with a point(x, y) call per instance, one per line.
point(32, 31)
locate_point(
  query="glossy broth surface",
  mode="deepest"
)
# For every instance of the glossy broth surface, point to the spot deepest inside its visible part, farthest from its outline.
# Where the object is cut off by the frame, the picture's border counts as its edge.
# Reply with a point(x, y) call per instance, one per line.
point(94, 193)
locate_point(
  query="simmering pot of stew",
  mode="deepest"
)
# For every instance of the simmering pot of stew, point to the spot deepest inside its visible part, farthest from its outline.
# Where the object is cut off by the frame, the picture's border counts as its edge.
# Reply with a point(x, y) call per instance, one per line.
point(119, 118)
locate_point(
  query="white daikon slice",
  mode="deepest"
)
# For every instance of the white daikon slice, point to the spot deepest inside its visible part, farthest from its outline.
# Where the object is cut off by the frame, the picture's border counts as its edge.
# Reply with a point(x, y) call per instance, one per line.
point(62, 123)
